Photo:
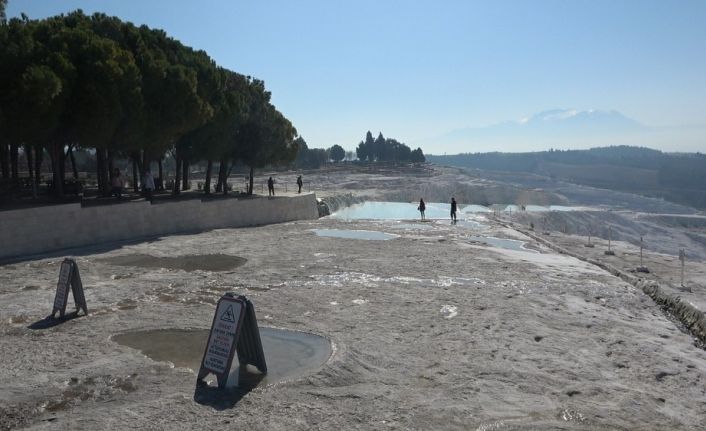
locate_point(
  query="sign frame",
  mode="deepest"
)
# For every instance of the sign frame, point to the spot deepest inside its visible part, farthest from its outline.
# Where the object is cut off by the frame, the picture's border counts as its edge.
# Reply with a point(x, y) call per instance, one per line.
point(69, 275)
point(246, 341)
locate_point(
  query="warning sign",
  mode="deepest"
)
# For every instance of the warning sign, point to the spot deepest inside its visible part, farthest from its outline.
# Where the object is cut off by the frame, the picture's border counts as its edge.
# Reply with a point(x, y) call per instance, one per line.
point(221, 342)
point(69, 275)
point(62, 287)
point(234, 328)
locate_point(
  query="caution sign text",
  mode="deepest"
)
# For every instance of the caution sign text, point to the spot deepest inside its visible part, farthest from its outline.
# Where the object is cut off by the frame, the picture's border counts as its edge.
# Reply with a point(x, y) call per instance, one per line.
point(221, 342)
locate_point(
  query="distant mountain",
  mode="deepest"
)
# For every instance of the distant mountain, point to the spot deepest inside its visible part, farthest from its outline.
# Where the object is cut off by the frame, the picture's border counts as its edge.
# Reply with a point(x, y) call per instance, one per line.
point(573, 121)
point(564, 128)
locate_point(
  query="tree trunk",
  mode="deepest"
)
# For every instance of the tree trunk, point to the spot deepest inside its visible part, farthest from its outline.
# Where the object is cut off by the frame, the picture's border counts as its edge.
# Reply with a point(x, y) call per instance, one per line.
point(207, 183)
point(73, 162)
point(102, 172)
point(38, 159)
point(30, 162)
point(225, 176)
point(111, 167)
point(57, 159)
point(14, 159)
point(105, 173)
point(161, 173)
point(4, 162)
point(136, 168)
point(62, 166)
point(177, 175)
point(221, 174)
point(251, 180)
point(185, 177)
point(99, 170)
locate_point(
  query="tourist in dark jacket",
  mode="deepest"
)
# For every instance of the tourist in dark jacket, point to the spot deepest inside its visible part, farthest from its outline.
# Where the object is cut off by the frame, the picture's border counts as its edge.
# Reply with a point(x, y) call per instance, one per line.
point(271, 187)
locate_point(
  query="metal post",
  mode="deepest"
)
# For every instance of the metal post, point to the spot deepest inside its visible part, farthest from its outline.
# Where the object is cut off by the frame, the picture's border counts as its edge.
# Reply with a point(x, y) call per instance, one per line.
point(609, 252)
point(610, 234)
point(589, 245)
point(642, 267)
point(682, 258)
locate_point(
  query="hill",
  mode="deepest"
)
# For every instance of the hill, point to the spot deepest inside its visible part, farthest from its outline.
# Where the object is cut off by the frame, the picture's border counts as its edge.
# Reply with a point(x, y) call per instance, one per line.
point(676, 177)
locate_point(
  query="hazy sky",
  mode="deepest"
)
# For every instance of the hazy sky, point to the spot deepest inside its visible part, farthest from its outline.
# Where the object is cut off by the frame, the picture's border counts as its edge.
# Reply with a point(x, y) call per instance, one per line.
point(418, 69)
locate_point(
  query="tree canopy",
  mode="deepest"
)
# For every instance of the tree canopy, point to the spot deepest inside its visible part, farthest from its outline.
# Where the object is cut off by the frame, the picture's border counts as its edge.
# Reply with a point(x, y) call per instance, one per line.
point(386, 150)
point(337, 153)
point(95, 82)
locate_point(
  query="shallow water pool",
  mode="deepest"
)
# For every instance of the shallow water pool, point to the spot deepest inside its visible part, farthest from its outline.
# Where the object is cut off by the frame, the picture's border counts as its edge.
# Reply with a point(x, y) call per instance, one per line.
point(508, 244)
point(475, 209)
point(288, 354)
point(392, 211)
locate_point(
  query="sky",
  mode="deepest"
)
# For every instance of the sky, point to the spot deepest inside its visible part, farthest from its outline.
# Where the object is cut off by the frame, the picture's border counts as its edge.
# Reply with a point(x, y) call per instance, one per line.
point(416, 70)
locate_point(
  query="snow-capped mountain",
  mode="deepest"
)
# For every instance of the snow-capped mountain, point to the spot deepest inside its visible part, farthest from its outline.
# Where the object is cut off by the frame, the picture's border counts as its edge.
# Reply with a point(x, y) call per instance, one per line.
point(560, 128)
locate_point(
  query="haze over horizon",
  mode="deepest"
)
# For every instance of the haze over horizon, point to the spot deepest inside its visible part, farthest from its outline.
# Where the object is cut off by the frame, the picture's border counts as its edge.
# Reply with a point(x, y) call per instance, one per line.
point(455, 76)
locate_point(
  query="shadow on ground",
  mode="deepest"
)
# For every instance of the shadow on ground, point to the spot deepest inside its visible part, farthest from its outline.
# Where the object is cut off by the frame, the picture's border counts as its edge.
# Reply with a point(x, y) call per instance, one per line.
point(50, 322)
point(222, 399)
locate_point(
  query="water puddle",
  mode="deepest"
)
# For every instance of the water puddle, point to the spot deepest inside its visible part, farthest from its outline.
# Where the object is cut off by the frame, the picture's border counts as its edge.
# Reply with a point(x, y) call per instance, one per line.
point(354, 234)
point(508, 244)
point(392, 211)
point(289, 354)
point(469, 224)
point(475, 209)
point(202, 262)
point(434, 210)
point(535, 208)
point(566, 208)
point(538, 208)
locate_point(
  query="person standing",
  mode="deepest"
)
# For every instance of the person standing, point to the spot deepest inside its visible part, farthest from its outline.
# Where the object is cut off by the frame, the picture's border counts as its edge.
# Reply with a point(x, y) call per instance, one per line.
point(421, 207)
point(116, 184)
point(453, 210)
point(300, 183)
point(271, 186)
point(148, 185)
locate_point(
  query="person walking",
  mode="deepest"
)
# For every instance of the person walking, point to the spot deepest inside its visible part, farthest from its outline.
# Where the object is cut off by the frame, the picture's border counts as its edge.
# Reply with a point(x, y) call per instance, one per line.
point(148, 185)
point(421, 207)
point(271, 187)
point(300, 183)
point(453, 210)
point(116, 184)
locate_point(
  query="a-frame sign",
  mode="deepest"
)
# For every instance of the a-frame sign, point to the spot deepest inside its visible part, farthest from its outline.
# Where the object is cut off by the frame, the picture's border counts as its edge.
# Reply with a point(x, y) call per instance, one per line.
point(234, 328)
point(68, 274)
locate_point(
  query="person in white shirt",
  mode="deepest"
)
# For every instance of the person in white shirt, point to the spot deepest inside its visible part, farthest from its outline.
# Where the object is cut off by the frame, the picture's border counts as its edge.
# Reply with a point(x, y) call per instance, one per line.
point(148, 185)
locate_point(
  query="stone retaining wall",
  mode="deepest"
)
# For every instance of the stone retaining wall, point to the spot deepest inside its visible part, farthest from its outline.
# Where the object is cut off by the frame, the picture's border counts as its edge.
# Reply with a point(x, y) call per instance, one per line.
point(45, 229)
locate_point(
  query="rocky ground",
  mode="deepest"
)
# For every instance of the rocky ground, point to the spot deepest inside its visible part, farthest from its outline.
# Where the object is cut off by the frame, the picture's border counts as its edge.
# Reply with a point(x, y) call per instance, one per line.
point(430, 330)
